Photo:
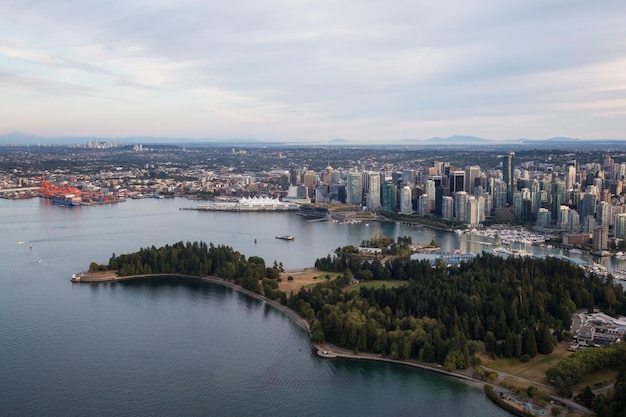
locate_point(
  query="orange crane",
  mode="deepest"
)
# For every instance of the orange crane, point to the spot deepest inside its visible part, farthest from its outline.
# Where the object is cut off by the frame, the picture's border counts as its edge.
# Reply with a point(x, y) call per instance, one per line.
point(48, 190)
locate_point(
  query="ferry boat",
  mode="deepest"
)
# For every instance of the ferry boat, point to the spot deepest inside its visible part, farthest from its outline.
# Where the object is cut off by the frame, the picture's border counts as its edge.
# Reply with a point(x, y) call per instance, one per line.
point(286, 237)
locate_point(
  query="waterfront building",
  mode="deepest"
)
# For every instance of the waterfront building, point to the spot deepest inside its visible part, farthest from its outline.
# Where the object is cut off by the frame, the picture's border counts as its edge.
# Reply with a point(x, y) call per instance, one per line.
point(439, 194)
point(322, 193)
point(406, 205)
point(389, 196)
point(488, 204)
point(563, 218)
point(473, 212)
point(354, 188)
point(460, 206)
point(309, 181)
point(338, 193)
point(297, 192)
point(544, 218)
point(423, 205)
point(447, 207)
point(372, 188)
point(600, 238)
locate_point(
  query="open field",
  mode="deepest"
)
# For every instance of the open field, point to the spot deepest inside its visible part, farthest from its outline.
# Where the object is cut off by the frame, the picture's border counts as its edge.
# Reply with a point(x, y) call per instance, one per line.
point(306, 278)
point(535, 369)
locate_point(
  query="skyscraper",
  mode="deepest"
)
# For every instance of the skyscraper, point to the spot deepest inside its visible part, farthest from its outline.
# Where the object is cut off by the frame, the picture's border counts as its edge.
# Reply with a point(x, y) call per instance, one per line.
point(373, 191)
point(508, 164)
point(406, 206)
point(389, 196)
point(354, 188)
point(472, 175)
point(456, 181)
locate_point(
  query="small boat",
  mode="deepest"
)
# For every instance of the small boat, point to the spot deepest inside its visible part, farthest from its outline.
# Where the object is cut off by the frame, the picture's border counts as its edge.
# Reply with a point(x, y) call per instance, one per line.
point(286, 237)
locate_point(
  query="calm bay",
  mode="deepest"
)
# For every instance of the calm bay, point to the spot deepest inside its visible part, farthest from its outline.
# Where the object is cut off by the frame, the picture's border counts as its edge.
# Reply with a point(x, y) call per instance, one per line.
point(164, 347)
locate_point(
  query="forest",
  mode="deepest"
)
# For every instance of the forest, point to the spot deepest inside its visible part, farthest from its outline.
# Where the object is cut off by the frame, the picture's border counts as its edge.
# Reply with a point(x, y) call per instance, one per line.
point(200, 259)
point(513, 307)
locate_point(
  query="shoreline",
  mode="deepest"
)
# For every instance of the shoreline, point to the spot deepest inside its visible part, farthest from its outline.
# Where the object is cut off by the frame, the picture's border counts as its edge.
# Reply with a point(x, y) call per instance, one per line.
point(323, 350)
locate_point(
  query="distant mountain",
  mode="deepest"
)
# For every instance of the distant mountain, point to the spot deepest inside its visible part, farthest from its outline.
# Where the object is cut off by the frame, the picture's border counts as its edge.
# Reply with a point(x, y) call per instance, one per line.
point(456, 139)
point(338, 141)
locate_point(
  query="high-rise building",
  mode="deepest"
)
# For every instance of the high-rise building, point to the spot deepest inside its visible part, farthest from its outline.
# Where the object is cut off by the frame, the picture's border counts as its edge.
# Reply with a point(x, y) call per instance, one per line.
point(603, 210)
point(430, 190)
point(423, 205)
point(406, 205)
point(447, 207)
point(389, 196)
point(354, 188)
point(570, 177)
point(620, 226)
point(474, 211)
point(456, 181)
point(328, 175)
point(600, 238)
point(574, 221)
point(372, 189)
point(309, 181)
point(460, 206)
point(508, 165)
point(587, 205)
point(472, 178)
point(563, 218)
point(409, 176)
point(499, 193)
point(544, 218)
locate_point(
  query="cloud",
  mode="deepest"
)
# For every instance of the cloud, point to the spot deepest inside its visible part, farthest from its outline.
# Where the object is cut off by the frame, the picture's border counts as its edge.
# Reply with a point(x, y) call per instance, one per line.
point(42, 86)
point(419, 69)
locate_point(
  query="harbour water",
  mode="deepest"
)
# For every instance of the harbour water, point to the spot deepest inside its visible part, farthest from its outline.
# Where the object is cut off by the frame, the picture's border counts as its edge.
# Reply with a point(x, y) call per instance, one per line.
point(168, 348)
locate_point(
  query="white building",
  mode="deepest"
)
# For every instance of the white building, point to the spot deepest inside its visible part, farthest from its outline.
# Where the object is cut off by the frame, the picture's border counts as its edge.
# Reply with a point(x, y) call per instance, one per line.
point(406, 205)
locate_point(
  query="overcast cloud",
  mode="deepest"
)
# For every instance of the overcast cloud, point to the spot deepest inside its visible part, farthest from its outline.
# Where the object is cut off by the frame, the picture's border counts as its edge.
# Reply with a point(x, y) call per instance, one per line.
point(297, 70)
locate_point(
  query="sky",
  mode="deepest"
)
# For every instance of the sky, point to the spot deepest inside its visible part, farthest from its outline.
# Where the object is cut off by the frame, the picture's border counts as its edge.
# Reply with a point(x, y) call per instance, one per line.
point(310, 71)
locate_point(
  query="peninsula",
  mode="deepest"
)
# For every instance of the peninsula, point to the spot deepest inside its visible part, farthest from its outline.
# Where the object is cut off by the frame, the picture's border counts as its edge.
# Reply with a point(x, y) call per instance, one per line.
point(350, 313)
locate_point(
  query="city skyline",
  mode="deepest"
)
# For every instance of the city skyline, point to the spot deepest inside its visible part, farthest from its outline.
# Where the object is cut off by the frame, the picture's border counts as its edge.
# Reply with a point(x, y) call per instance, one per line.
point(311, 72)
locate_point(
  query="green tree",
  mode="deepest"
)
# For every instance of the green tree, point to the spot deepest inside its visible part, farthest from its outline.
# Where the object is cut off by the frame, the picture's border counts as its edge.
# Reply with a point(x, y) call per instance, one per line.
point(317, 334)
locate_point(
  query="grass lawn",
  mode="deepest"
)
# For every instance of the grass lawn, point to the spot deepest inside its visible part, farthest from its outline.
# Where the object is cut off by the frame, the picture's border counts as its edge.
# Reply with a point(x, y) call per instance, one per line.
point(535, 369)
point(306, 279)
point(375, 284)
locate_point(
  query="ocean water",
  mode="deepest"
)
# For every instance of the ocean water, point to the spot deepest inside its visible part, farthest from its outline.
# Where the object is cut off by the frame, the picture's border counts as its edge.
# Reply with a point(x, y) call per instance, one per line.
point(167, 348)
